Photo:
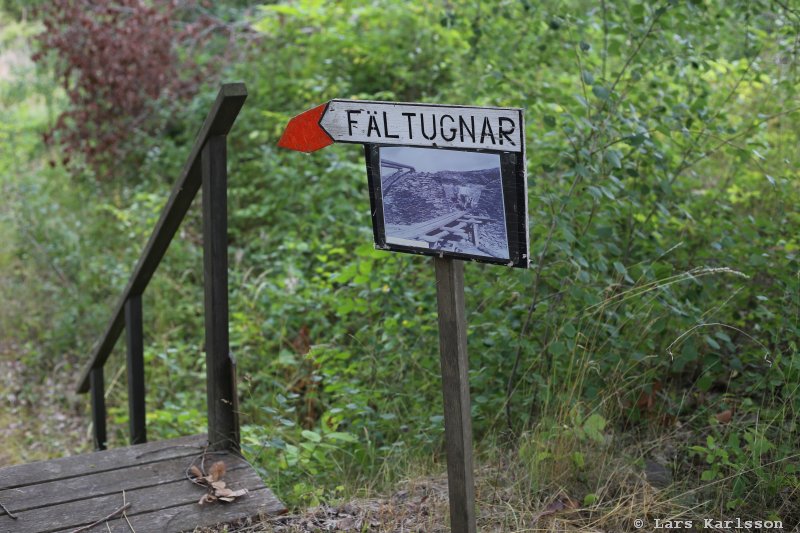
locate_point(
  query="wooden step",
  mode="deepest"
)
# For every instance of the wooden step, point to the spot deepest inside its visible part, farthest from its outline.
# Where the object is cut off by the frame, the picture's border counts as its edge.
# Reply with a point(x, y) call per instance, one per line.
point(65, 494)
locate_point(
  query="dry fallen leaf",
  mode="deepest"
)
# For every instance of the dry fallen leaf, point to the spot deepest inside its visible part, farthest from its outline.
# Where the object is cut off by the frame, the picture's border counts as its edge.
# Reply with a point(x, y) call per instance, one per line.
point(207, 498)
point(216, 489)
point(231, 495)
point(216, 471)
point(725, 416)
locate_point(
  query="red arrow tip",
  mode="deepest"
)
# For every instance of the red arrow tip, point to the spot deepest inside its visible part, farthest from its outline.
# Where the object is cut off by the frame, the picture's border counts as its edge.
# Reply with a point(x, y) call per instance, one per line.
point(304, 134)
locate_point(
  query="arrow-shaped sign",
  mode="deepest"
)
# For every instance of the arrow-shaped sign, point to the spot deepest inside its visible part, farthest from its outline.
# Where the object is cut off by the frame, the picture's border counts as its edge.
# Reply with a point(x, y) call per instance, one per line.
point(438, 126)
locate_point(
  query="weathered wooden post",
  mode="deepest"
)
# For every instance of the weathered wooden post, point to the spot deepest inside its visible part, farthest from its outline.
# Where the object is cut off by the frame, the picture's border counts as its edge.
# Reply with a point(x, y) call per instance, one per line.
point(455, 388)
point(475, 156)
point(206, 166)
point(134, 336)
point(223, 417)
point(98, 407)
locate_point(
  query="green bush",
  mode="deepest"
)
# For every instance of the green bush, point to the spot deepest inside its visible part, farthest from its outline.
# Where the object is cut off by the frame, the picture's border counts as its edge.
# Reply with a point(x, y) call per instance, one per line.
point(664, 288)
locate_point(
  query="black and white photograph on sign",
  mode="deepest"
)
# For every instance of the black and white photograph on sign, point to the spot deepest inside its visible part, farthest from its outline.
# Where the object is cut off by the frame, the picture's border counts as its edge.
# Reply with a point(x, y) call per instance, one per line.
point(447, 200)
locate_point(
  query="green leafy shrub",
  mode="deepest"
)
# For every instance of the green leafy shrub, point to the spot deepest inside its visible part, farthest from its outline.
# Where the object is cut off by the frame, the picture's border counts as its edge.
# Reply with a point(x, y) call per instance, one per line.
point(664, 286)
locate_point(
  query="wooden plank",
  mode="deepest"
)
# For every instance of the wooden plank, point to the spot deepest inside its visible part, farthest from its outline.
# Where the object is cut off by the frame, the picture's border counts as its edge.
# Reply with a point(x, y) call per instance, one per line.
point(79, 465)
point(218, 122)
point(223, 418)
point(157, 489)
point(134, 335)
point(190, 516)
point(98, 484)
point(143, 500)
point(455, 388)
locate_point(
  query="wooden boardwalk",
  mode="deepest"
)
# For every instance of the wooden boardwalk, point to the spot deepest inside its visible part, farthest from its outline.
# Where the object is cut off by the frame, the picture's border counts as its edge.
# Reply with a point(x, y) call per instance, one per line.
point(64, 495)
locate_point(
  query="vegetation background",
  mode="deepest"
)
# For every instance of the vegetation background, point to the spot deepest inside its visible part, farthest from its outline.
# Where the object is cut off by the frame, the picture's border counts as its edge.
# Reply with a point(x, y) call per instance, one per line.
point(645, 366)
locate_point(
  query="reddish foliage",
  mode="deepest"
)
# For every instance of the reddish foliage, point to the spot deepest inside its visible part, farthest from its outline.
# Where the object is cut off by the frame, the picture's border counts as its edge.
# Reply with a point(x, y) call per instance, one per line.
point(115, 58)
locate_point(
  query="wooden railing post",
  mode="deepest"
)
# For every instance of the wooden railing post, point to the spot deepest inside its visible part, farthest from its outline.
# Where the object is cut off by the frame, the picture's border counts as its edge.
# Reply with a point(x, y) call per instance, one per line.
point(223, 416)
point(136, 395)
point(98, 407)
point(206, 167)
point(218, 122)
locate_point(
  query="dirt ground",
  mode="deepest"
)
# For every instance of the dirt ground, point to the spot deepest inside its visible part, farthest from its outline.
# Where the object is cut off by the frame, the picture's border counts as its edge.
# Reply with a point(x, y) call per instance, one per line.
point(418, 506)
point(40, 417)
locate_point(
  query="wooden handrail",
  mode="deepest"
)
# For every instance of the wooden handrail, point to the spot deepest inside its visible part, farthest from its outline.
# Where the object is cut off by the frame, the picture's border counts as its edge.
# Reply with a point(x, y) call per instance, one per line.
point(229, 101)
point(206, 167)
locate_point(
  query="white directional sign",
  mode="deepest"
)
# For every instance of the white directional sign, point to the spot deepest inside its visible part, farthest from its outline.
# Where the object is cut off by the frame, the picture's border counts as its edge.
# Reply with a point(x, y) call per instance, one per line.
point(406, 124)
point(423, 125)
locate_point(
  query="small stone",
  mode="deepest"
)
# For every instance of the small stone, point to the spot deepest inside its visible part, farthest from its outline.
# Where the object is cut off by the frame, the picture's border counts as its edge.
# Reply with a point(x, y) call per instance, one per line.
point(658, 475)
